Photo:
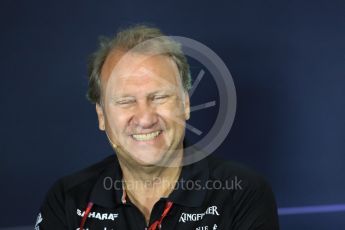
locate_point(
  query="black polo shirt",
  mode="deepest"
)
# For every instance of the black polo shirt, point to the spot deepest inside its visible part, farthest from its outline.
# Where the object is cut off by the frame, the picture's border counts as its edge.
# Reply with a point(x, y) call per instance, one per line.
point(211, 194)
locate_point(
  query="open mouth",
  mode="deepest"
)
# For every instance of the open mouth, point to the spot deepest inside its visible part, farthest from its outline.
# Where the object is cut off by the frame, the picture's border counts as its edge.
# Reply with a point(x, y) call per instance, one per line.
point(146, 136)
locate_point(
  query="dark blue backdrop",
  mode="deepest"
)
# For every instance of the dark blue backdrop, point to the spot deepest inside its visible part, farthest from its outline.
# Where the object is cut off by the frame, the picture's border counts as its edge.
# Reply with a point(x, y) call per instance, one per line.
point(287, 59)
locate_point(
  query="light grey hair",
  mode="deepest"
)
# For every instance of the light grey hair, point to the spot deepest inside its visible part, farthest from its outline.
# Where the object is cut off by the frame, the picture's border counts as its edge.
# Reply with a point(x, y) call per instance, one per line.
point(141, 39)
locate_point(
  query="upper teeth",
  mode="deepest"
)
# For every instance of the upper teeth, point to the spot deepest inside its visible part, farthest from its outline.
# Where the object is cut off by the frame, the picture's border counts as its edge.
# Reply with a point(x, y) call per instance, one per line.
point(146, 136)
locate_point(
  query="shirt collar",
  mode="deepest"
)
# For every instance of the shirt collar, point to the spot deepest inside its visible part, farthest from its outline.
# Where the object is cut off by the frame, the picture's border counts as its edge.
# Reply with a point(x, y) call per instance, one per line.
point(108, 192)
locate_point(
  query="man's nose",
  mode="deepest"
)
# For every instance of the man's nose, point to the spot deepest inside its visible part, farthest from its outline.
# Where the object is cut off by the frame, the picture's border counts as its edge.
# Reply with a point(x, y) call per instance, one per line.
point(145, 116)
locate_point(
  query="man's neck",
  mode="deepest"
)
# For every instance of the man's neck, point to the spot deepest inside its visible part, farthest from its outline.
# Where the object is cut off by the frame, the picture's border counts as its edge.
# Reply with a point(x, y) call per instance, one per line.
point(145, 185)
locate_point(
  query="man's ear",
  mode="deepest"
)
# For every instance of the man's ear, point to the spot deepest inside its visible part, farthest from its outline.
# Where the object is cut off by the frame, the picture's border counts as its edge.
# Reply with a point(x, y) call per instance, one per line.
point(100, 115)
point(186, 106)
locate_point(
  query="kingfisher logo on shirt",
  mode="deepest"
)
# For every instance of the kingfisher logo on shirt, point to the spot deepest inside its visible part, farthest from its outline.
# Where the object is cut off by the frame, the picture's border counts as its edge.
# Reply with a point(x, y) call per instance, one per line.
point(185, 217)
point(98, 215)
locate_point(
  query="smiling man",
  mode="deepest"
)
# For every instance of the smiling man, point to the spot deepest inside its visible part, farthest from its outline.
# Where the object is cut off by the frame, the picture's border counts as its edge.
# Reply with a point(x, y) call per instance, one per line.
point(144, 107)
point(139, 83)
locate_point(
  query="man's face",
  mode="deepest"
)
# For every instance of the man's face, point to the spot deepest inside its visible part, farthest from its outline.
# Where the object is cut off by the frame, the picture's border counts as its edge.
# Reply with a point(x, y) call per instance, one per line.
point(144, 107)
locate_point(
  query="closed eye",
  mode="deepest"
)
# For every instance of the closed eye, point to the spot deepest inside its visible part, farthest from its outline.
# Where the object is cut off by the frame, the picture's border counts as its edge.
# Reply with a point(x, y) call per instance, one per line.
point(158, 97)
point(124, 101)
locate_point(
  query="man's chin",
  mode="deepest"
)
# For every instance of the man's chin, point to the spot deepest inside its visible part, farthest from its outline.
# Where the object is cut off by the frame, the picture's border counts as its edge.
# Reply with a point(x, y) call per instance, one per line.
point(150, 158)
point(150, 155)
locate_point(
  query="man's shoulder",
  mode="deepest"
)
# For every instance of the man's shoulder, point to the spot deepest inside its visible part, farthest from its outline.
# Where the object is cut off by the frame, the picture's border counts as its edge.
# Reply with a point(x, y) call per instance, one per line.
point(86, 176)
point(224, 170)
point(252, 200)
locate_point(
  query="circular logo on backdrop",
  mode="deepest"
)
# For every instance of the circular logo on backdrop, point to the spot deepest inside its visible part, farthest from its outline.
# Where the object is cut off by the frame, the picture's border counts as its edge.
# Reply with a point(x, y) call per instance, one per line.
point(211, 62)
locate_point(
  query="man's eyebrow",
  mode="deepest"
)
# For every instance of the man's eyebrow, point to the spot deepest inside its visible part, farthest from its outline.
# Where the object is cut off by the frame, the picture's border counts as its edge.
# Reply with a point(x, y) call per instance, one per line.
point(124, 96)
point(129, 96)
point(164, 91)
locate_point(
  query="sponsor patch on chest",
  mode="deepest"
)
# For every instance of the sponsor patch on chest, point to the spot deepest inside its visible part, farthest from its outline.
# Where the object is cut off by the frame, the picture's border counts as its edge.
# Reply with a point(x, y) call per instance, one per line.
point(99, 215)
point(187, 217)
